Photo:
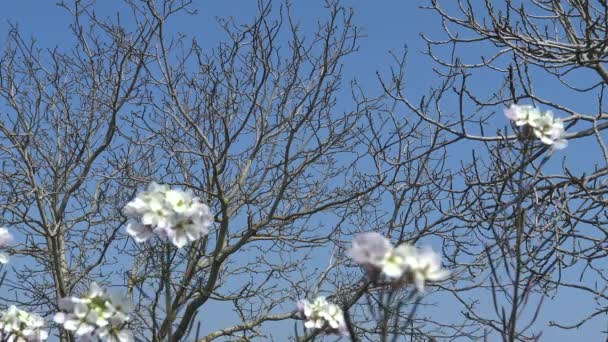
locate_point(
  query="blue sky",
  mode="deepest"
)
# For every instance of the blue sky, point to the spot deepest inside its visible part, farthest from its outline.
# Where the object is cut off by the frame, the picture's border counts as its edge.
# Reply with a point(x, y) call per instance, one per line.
point(388, 25)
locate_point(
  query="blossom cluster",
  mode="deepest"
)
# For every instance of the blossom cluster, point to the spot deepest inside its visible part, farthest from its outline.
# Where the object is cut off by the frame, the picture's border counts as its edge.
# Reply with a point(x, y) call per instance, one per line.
point(173, 214)
point(322, 315)
point(545, 127)
point(97, 315)
point(402, 264)
point(5, 239)
point(21, 326)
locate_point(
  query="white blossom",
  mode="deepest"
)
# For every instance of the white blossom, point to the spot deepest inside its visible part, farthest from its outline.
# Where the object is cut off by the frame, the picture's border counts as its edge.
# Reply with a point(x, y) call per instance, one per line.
point(423, 266)
point(169, 213)
point(550, 131)
point(5, 239)
point(322, 315)
point(370, 250)
point(139, 232)
point(97, 315)
point(522, 114)
point(394, 264)
point(544, 125)
point(21, 326)
point(403, 264)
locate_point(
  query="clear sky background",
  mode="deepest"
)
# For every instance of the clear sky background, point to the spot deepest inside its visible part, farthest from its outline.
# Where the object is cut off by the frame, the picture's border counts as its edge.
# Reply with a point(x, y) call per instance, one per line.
point(388, 25)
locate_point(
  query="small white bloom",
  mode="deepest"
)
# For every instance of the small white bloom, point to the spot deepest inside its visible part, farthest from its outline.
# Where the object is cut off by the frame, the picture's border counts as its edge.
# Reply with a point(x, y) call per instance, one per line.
point(377, 255)
point(394, 263)
point(139, 232)
point(370, 249)
point(556, 135)
point(158, 214)
point(401, 265)
point(544, 125)
point(3, 258)
point(98, 314)
point(522, 115)
point(322, 315)
point(188, 230)
point(21, 326)
point(5, 239)
point(138, 206)
point(179, 201)
point(123, 335)
point(333, 315)
point(171, 214)
point(424, 266)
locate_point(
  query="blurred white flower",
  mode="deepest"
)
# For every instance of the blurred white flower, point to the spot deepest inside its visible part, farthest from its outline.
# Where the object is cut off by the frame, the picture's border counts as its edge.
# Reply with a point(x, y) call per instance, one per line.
point(3, 258)
point(369, 250)
point(5, 236)
point(545, 127)
point(551, 131)
point(424, 266)
point(172, 214)
point(522, 115)
point(123, 335)
point(309, 312)
point(400, 265)
point(334, 317)
point(21, 326)
point(5, 239)
point(322, 315)
point(179, 201)
point(139, 232)
point(394, 264)
point(98, 314)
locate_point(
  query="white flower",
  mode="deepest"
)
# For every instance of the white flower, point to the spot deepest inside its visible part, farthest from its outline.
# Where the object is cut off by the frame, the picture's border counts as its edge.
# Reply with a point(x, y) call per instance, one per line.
point(138, 206)
point(394, 264)
point(193, 226)
point(3, 258)
point(400, 265)
point(377, 255)
point(333, 315)
point(551, 133)
point(139, 232)
point(123, 335)
point(172, 214)
point(424, 266)
point(20, 326)
point(179, 201)
point(322, 315)
point(5, 239)
point(370, 249)
point(158, 213)
point(545, 127)
point(521, 115)
point(5, 236)
point(96, 315)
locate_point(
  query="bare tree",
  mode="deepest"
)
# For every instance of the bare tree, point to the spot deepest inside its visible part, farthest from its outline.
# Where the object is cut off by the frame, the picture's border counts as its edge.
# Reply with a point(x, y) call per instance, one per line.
point(295, 160)
point(60, 153)
point(532, 225)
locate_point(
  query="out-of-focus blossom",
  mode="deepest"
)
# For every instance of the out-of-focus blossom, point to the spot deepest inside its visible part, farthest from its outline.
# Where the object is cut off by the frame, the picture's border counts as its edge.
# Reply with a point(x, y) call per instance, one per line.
point(369, 250)
point(523, 114)
point(97, 315)
point(172, 214)
point(423, 266)
point(322, 315)
point(544, 125)
point(549, 130)
point(5, 239)
point(21, 326)
point(394, 264)
point(400, 265)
